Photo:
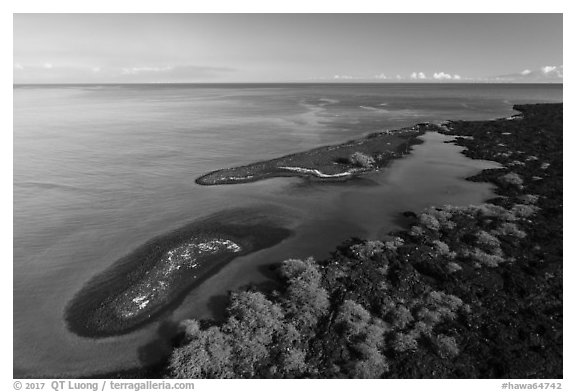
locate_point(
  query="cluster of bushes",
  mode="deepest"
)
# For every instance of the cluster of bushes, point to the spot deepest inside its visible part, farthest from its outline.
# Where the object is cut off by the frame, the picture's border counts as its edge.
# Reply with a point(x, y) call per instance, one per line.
point(358, 159)
point(414, 319)
point(362, 160)
point(512, 179)
point(363, 340)
point(472, 233)
point(262, 337)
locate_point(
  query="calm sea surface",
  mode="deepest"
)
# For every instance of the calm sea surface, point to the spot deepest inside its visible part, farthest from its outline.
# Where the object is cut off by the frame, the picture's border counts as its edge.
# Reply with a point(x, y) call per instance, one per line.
point(100, 170)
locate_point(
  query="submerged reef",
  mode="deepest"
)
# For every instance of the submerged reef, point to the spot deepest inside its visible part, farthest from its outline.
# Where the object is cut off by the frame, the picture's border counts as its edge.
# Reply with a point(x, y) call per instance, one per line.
point(151, 280)
point(158, 281)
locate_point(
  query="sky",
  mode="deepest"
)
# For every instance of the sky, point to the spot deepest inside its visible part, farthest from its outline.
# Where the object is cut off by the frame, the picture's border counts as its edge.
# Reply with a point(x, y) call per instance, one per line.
point(225, 48)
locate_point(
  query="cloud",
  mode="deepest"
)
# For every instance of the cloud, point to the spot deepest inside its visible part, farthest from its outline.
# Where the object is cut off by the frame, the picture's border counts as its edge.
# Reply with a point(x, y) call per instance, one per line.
point(557, 71)
point(545, 74)
point(442, 76)
point(548, 68)
point(48, 66)
point(419, 75)
point(446, 76)
point(18, 66)
point(380, 76)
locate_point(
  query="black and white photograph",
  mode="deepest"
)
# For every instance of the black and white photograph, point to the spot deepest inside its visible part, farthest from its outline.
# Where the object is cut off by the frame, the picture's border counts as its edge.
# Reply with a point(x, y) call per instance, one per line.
point(287, 196)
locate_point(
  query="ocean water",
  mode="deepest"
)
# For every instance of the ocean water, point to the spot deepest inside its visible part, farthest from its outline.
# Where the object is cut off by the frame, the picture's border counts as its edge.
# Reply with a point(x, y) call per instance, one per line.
point(100, 170)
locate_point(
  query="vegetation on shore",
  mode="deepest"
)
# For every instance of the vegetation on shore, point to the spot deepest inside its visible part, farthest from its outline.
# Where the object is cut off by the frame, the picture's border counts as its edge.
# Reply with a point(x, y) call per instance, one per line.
point(465, 292)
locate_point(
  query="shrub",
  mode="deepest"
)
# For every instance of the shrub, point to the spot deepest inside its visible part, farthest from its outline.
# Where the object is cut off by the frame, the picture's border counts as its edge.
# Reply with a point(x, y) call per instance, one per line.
point(404, 342)
point(362, 160)
point(429, 221)
point(207, 354)
point(372, 363)
point(494, 211)
point(443, 215)
point(401, 317)
point(353, 317)
point(488, 242)
point(383, 269)
point(374, 333)
point(365, 337)
point(453, 302)
point(252, 326)
point(292, 268)
point(293, 360)
point(439, 306)
point(435, 297)
point(523, 210)
point(529, 199)
point(372, 367)
point(430, 317)
point(367, 250)
point(453, 267)
point(509, 229)
point(422, 328)
point(306, 302)
point(388, 305)
point(447, 346)
point(372, 338)
point(190, 328)
point(306, 299)
point(483, 258)
point(287, 354)
point(443, 249)
point(394, 244)
point(416, 231)
point(511, 179)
